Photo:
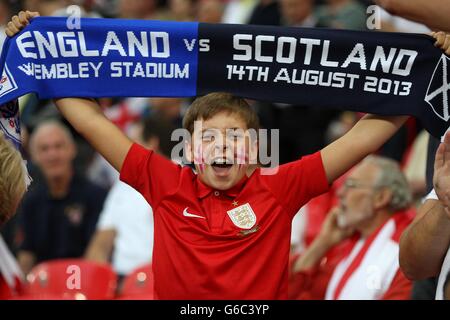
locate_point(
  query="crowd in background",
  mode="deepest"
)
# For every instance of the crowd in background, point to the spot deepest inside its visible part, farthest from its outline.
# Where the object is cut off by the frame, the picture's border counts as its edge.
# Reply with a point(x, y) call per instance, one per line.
point(77, 208)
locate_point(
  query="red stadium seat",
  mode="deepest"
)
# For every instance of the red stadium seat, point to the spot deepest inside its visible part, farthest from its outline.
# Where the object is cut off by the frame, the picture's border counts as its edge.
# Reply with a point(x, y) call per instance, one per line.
point(5, 290)
point(50, 296)
point(71, 279)
point(139, 285)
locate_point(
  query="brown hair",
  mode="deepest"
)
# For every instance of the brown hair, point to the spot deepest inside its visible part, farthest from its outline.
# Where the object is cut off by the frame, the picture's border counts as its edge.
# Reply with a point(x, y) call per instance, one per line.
point(12, 179)
point(204, 108)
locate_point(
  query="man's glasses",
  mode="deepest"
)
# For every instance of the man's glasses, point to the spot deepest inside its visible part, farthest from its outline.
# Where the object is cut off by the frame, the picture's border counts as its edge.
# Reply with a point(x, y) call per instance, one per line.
point(355, 184)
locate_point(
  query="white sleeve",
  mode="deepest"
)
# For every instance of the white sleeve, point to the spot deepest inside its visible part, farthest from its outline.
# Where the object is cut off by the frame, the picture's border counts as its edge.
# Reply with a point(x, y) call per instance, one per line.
point(432, 196)
point(111, 208)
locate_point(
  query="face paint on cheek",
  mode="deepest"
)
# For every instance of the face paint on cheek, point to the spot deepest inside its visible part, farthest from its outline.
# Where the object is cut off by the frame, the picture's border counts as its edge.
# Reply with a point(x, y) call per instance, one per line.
point(198, 158)
point(242, 157)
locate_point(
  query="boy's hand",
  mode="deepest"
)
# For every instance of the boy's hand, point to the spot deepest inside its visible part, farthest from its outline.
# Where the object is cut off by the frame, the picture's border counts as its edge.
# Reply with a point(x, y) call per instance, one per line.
point(83, 114)
point(19, 22)
point(442, 41)
point(441, 178)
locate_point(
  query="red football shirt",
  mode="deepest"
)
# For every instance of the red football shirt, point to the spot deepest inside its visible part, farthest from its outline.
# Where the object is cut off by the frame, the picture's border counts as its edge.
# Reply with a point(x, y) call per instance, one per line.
point(211, 244)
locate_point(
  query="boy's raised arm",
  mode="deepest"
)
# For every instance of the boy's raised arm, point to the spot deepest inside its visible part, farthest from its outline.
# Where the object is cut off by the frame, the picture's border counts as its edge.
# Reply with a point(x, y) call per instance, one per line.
point(88, 119)
point(366, 137)
point(83, 114)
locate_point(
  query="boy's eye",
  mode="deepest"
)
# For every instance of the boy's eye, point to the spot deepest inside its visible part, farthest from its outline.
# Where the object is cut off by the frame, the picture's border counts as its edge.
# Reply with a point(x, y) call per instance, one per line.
point(235, 134)
point(207, 137)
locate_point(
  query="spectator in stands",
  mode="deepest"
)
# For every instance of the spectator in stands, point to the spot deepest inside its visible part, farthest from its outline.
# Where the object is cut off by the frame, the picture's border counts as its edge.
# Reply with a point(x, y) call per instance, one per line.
point(342, 14)
point(298, 13)
point(45, 7)
point(168, 109)
point(59, 214)
point(424, 247)
point(138, 9)
point(373, 203)
point(181, 10)
point(267, 12)
point(125, 227)
point(209, 11)
point(424, 250)
point(238, 11)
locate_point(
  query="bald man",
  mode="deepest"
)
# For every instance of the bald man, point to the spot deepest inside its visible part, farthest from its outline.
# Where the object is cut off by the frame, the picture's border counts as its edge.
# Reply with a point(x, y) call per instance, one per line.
point(59, 214)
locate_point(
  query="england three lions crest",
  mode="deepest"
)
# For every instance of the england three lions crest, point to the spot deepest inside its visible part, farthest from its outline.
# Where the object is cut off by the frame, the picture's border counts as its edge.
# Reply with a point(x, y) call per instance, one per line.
point(438, 89)
point(243, 216)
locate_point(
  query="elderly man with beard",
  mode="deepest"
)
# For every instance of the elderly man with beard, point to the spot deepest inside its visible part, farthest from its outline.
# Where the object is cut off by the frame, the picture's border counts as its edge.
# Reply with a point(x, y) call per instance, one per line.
point(367, 224)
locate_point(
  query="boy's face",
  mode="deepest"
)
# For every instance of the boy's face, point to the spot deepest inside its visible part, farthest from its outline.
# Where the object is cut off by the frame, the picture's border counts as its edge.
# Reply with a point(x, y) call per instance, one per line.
point(220, 150)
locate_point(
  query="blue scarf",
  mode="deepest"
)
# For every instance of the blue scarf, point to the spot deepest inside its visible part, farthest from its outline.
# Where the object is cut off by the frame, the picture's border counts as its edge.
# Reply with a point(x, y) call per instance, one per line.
point(374, 72)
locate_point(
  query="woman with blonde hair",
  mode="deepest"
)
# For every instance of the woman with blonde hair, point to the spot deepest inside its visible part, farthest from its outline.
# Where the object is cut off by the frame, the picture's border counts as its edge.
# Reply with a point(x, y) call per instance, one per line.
point(12, 179)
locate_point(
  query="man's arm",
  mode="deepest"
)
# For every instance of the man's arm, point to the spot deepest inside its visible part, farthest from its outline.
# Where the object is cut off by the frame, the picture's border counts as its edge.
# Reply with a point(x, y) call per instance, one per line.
point(433, 13)
point(366, 137)
point(88, 119)
point(85, 115)
point(101, 246)
point(425, 242)
point(330, 235)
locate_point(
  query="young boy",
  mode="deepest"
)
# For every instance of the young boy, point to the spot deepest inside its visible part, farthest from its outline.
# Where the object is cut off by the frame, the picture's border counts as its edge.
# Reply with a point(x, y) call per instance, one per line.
point(223, 233)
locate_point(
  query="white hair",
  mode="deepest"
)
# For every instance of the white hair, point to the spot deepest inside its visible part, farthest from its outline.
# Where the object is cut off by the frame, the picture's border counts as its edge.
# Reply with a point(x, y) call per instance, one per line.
point(391, 177)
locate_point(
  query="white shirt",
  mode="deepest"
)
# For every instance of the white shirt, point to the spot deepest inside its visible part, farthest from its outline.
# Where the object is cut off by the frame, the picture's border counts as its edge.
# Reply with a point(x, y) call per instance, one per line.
point(238, 11)
point(129, 214)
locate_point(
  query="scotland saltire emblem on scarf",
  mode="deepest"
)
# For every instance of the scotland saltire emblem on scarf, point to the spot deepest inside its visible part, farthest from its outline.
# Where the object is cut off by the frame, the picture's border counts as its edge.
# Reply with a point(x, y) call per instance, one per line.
point(438, 90)
point(243, 216)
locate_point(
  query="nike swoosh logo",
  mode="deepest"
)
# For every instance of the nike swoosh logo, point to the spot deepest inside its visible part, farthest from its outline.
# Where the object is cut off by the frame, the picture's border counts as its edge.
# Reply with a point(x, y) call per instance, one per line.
point(190, 215)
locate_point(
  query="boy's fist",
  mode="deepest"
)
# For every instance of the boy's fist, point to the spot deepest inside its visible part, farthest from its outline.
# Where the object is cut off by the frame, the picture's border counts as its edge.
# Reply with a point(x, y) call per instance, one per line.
point(442, 41)
point(19, 22)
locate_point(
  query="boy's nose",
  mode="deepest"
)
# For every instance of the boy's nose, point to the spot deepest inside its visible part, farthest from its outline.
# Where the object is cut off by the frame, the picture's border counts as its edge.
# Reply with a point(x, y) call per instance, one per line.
point(222, 145)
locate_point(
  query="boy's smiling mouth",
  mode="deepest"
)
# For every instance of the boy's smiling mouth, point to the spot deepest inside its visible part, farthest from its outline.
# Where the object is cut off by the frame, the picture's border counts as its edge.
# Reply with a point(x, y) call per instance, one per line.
point(222, 166)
